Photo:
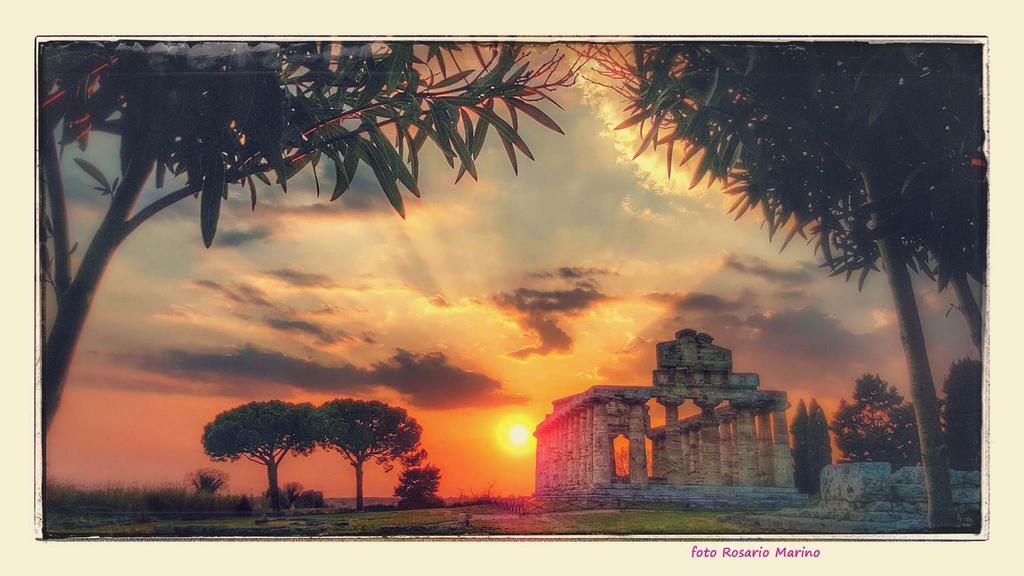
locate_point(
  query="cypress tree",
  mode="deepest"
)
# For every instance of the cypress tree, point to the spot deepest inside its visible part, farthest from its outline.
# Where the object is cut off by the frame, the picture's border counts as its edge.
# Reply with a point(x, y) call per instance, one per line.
point(962, 414)
point(799, 430)
point(819, 446)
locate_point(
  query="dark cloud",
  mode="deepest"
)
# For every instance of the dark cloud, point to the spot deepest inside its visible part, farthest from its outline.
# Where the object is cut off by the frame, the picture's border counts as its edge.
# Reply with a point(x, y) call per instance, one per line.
point(763, 269)
point(426, 380)
point(573, 272)
point(240, 237)
point(300, 278)
point(431, 381)
point(316, 331)
point(238, 292)
point(696, 301)
point(811, 334)
point(538, 312)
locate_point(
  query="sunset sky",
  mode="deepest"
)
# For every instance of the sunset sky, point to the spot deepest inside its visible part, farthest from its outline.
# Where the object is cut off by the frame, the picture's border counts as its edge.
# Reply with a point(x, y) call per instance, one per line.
point(489, 301)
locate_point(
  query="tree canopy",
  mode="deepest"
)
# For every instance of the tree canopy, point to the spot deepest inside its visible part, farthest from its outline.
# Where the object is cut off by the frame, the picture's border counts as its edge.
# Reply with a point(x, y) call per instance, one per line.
point(363, 431)
point(264, 433)
point(877, 426)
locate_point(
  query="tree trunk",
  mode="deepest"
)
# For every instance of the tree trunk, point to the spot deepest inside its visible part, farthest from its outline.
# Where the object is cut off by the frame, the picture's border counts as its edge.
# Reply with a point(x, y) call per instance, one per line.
point(54, 194)
point(359, 486)
point(272, 489)
point(969, 308)
point(74, 306)
point(73, 309)
point(941, 513)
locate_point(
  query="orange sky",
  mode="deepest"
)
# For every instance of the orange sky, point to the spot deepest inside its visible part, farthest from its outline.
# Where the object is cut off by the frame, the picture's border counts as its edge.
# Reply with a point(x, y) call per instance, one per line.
point(489, 301)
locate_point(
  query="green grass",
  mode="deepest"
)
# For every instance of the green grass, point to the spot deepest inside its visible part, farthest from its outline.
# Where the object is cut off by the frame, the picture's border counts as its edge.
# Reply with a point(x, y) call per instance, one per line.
point(483, 520)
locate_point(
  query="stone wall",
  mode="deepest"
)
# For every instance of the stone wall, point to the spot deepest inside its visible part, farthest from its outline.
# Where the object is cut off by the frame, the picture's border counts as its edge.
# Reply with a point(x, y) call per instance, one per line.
point(872, 486)
point(868, 497)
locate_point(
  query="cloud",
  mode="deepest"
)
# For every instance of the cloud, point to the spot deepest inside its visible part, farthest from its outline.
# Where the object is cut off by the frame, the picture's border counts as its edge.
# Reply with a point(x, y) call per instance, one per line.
point(539, 311)
point(810, 333)
point(573, 272)
point(317, 331)
point(761, 268)
point(695, 301)
point(425, 380)
point(299, 278)
point(240, 237)
point(238, 292)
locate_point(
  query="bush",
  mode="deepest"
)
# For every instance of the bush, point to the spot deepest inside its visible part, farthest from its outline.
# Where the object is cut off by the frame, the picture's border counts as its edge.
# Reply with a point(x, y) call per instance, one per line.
point(244, 506)
point(289, 493)
point(309, 499)
point(417, 488)
point(207, 480)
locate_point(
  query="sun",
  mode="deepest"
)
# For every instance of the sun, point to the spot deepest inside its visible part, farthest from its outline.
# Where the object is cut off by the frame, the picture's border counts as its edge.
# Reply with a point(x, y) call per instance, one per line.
point(514, 433)
point(518, 434)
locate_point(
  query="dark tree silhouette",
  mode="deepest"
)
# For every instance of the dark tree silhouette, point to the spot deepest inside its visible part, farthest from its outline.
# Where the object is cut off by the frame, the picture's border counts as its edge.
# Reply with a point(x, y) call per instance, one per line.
point(363, 431)
point(417, 488)
point(878, 426)
point(819, 446)
point(309, 499)
point(798, 428)
point(207, 480)
point(215, 116)
point(289, 492)
point(812, 447)
point(264, 433)
point(962, 414)
point(872, 152)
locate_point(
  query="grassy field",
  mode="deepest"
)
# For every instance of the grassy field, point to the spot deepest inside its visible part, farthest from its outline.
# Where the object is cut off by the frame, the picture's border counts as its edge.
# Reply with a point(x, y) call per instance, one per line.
point(482, 520)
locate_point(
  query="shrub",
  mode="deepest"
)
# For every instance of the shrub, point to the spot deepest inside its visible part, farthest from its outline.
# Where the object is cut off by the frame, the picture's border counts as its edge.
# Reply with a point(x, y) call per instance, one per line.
point(289, 493)
point(244, 506)
point(309, 499)
point(207, 480)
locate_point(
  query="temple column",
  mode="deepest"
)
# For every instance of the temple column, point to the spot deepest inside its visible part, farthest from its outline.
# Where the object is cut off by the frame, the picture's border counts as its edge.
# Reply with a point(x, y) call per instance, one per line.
point(710, 457)
point(673, 443)
point(746, 451)
point(684, 456)
point(637, 445)
point(695, 455)
point(602, 447)
point(783, 461)
point(538, 467)
point(765, 450)
point(728, 450)
point(585, 446)
point(572, 432)
point(658, 455)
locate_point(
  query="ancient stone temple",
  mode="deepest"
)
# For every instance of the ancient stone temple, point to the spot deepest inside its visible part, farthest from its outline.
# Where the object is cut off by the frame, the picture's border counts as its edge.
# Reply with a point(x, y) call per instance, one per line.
point(733, 452)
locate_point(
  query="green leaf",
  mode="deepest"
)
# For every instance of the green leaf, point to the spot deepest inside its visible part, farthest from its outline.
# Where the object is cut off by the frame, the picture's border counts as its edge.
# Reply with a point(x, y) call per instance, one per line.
point(394, 161)
point(384, 176)
point(96, 174)
point(510, 151)
point(504, 129)
point(537, 114)
point(453, 79)
point(252, 191)
point(214, 187)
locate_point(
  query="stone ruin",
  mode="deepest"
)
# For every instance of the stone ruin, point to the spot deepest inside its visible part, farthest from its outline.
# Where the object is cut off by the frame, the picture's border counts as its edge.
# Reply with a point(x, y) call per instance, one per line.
point(734, 453)
point(868, 497)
